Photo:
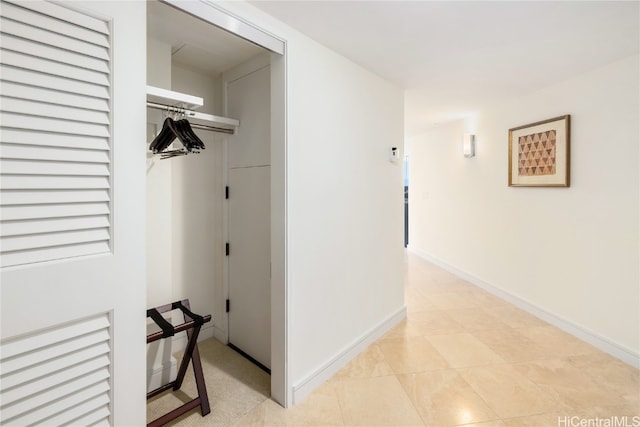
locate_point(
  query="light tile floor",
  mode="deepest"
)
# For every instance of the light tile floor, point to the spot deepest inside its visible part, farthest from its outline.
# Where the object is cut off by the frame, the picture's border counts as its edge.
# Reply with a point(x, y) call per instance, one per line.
point(465, 357)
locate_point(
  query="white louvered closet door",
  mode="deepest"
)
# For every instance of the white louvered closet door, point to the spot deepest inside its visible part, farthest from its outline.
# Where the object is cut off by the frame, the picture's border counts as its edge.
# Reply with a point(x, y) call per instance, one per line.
point(72, 199)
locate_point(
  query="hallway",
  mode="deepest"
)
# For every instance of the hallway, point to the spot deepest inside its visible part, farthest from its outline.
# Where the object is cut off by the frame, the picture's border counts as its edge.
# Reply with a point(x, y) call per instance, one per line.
point(462, 357)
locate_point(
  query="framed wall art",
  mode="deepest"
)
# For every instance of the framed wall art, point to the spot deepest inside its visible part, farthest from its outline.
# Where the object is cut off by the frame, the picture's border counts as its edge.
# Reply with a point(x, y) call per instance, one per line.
point(539, 154)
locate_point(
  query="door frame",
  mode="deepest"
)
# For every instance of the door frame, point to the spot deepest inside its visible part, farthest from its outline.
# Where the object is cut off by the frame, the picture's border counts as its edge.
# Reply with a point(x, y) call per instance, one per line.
point(281, 389)
point(228, 77)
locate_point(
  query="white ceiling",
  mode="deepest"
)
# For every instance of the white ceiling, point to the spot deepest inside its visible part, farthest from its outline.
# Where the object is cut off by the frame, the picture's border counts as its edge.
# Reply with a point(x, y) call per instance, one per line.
point(454, 57)
point(196, 44)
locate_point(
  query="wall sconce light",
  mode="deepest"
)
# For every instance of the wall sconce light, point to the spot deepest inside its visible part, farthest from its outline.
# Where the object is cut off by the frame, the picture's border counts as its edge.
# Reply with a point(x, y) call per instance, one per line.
point(469, 145)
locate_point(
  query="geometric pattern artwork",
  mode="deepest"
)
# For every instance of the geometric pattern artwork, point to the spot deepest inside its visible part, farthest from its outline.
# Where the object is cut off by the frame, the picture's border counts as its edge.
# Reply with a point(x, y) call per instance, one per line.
point(537, 154)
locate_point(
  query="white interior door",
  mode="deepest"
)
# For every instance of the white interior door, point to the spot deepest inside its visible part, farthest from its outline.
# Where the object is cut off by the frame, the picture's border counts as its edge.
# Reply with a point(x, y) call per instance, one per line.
point(249, 262)
point(249, 219)
point(72, 348)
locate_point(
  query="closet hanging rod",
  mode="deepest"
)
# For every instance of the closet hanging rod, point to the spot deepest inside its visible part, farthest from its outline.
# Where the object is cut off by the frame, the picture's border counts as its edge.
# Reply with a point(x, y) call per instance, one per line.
point(212, 128)
point(223, 121)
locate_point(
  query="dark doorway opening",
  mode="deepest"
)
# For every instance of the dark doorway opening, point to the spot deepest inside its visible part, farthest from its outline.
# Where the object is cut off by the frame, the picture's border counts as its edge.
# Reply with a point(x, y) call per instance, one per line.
point(406, 201)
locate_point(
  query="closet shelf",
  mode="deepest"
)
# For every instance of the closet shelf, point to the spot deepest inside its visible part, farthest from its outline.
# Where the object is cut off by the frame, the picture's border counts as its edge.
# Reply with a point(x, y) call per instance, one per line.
point(173, 99)
point(202, 118)
point(165, 99)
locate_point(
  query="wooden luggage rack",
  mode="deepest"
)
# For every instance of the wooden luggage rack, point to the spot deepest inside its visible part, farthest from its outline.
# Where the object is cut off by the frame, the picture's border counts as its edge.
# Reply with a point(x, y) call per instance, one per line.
point(192, 324)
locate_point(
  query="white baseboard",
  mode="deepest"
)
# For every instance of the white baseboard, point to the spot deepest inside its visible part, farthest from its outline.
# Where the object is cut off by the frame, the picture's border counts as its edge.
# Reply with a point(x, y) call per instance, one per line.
point(603, 343)
point(313, 381)
point(162, 374)
point(179, 342)
point(221, 335)
point(165, 372)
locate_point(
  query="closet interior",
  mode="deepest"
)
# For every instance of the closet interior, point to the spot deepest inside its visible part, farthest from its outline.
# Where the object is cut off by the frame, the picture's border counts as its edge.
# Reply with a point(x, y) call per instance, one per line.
point(208, 183)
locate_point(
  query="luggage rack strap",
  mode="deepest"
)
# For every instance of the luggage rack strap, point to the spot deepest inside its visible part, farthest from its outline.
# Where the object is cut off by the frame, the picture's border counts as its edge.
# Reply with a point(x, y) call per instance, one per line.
point(167, 328)
point(198, 320)
point(192, 324)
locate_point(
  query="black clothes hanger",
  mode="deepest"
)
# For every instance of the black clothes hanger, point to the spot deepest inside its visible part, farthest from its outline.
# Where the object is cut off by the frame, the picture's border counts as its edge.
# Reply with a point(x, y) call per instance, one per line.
point(172, 129)
point(157, 141)
point(190, 131)
point(182, 135)
point(195, 142)
point(172, 153)
point(188, 142)
point(164, 138)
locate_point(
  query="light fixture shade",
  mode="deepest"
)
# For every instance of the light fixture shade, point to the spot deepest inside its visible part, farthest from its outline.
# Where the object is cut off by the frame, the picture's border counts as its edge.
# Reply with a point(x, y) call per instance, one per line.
point(469, 145)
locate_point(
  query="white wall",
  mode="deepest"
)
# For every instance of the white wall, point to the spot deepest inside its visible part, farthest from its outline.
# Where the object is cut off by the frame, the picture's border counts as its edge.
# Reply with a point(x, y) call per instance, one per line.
point(344, 267)
point(159, 178)
point(184, 200)
point(345, 203)
point(571, 252)
point(197, 192)
point(161, 366)
point(184, 214)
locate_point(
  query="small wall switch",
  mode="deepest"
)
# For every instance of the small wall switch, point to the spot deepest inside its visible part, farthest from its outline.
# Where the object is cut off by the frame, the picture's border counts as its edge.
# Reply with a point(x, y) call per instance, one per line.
point(394, 154)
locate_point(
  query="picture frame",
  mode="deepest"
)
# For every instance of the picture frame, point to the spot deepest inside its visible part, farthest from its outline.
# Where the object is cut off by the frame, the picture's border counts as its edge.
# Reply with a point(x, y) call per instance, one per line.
point(539, 154)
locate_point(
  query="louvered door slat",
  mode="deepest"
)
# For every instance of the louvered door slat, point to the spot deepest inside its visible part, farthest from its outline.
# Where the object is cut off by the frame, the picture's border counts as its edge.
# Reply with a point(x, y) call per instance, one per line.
point(37, 380)
point(63, 182)
point(32, 78)
point(16, 90)
point(64, 14)
point(99, 416)
point(15, 408)
point(30, 167)
point(47, 66)
point(55, 350)
point(19, 346)
point(16, 213)
point(33, 137)
point(23, 228)
point(20, 243)
point(86, 414)
point(62, 373)
point(20, 384)
point(18, 12)
point(54, 54)
point(36, 197)
point(47, 124)
point(35, 108)
point(56, 252)
point(50, 38)
point(8, 151)
point(63, 405)
point(15, 389)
